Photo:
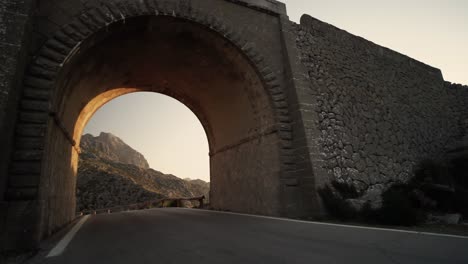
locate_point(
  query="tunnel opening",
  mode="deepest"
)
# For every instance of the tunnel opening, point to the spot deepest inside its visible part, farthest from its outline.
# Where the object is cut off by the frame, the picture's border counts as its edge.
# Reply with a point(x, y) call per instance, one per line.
point(189, 63)
point(139, 149)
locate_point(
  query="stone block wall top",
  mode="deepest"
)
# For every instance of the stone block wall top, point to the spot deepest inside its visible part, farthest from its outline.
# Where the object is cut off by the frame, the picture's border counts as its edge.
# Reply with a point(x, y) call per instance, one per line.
point(269, 5)
point(338, 35)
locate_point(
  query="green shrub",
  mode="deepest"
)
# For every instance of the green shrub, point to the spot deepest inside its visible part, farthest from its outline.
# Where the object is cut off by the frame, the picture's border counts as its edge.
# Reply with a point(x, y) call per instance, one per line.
point(430, 171)
point(347, 191)
point(460, 171)
point(399, 207)
point(368, 214)
point(460, 202)
point(335, 205)
point(446, 184)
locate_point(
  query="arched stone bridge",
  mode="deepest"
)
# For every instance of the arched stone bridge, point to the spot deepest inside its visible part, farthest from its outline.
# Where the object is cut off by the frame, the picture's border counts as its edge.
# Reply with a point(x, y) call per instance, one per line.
point(286, 107)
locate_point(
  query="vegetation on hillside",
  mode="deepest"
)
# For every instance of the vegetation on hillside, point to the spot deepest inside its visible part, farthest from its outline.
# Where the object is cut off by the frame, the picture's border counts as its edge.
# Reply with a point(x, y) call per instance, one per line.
point(104, 181)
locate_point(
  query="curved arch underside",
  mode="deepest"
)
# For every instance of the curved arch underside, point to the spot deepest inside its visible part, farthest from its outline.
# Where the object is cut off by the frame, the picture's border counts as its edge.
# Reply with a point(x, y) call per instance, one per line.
point(191, 64)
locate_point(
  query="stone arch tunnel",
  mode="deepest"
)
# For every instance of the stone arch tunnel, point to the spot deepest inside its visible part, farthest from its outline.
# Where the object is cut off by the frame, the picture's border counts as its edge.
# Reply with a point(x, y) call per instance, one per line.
point(172, 47)
point(286, 107)
point(185, 61)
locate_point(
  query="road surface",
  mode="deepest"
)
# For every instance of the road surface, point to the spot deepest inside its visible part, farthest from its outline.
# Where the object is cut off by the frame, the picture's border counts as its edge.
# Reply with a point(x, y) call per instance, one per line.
point(172, 235)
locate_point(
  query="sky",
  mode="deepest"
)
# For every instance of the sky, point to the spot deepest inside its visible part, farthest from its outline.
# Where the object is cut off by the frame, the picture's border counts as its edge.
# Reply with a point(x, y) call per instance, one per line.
point(173, 140)
point(161, 128)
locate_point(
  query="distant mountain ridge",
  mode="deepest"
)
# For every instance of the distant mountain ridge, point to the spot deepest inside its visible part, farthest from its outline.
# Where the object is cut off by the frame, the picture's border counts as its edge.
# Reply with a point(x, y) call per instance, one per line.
point(110, 147)
point(111, 173)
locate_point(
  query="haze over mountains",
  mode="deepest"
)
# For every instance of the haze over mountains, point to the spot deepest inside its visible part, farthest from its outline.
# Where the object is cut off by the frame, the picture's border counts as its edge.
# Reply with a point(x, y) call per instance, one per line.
point(111, 173)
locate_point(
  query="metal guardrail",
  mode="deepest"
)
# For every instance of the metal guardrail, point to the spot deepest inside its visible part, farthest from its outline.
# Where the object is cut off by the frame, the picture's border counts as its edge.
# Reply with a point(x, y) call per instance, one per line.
point(144, 205)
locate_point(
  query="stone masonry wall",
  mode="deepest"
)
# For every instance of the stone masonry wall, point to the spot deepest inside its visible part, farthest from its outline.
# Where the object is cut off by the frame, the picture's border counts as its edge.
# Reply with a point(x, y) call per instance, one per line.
point(459, 109)
point(380, 113)
point(14, 19)
point(38, 182)
point(15, 25)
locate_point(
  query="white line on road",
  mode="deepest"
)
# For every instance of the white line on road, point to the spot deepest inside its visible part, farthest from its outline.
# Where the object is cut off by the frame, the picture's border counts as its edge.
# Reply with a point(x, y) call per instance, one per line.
point(331, 224)
point(60, 247)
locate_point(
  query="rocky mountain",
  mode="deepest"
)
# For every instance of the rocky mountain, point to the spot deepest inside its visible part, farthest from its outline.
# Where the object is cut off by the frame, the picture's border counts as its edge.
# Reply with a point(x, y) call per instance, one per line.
point(111, 173)
point(199, 186)
point(110, 147)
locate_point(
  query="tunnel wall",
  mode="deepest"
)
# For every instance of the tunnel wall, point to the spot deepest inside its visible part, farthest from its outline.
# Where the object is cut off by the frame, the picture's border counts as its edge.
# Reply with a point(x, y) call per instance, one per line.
point(255, 27)
point(258, 159)
point(379, 112)
point(16, 20)
point(224, 92)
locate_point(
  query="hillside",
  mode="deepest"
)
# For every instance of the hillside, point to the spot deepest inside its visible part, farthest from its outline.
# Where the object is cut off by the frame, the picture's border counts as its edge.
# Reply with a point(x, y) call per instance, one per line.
point(111, 173)
point(109, 147)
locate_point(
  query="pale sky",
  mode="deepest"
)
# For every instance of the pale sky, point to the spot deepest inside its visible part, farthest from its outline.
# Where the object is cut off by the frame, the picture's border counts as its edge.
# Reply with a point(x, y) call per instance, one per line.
point(164, 130)
point(173, 140)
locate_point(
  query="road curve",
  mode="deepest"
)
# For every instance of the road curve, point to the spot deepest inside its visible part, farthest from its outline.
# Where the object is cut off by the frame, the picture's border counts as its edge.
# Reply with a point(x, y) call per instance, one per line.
point(197, 236)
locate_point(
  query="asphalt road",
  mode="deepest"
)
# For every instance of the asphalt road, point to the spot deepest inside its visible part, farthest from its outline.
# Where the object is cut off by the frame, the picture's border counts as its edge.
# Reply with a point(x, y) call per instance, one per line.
point(196, 236)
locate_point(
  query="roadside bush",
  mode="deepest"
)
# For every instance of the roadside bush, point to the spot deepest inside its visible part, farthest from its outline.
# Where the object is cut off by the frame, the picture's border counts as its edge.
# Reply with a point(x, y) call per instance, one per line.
point(347, 191)
point(368, 214)
point(460, 172)
point(399, 207)
point(445, 183)
point(429, 171)
point(335, 205)
point(460, 202)
point(436, 187)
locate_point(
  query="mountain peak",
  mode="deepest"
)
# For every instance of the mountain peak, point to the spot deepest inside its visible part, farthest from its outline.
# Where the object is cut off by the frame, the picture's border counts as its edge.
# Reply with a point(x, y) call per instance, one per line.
point(107, 134)
point(111, 173)
point(110, 147)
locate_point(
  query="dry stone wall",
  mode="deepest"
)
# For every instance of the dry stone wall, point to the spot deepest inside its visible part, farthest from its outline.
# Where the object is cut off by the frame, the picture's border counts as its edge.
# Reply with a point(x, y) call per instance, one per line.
point(41, 175)
point(15, 22)
point(459, 109)
point(379, 112)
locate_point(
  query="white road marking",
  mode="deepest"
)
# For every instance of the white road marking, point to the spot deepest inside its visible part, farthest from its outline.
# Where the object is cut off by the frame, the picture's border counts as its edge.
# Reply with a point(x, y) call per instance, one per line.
point(60, 247)
point(331, 224)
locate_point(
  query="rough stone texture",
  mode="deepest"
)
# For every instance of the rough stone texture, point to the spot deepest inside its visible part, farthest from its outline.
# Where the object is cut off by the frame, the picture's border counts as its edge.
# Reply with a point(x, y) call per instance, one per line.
point(379, 112)
point(14, 22)
point(448, 219)
point(458, 108)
